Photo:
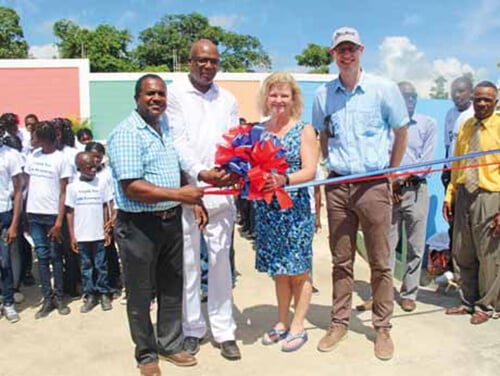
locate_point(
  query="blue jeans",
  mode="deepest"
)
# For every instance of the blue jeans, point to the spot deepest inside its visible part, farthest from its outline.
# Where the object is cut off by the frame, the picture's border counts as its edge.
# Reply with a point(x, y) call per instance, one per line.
point(93, 263)
point(7, 277)
point(48, 252)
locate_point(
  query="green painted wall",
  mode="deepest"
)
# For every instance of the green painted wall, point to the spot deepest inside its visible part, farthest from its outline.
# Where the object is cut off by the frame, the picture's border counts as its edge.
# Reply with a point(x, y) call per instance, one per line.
point(110, 103)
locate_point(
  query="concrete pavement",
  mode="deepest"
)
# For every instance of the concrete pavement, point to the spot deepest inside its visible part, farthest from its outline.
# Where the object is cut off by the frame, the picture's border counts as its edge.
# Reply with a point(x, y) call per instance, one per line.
point(98, 343)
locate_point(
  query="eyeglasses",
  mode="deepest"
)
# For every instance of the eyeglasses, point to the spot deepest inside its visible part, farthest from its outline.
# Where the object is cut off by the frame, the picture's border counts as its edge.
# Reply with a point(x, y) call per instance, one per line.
point(202, 61)
point(350, 49)
point(410, 96)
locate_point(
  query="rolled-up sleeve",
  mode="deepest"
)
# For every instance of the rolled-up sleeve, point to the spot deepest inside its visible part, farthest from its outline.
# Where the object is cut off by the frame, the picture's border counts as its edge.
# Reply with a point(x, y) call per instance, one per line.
point(394, 108)
point(125, 155)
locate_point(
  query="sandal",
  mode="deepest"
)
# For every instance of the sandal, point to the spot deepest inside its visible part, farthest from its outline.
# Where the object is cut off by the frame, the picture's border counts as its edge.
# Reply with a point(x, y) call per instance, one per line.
point(302, 337)
point(459, 310)
point(479, 317)
point(274, 336)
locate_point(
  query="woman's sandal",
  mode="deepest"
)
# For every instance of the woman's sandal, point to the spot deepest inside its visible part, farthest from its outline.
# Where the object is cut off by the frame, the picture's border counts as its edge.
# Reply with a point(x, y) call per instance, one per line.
point(274, 336)
point(479, 317)
point(459, 310)
point(302, 337)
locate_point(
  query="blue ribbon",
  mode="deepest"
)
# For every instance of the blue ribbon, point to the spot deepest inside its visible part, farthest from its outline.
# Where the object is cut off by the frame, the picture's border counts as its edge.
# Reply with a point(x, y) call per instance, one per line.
point(391, 170)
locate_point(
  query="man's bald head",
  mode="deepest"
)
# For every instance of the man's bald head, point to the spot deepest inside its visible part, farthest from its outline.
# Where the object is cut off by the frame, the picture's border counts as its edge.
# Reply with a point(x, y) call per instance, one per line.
point(202, 45)
point(204, 62)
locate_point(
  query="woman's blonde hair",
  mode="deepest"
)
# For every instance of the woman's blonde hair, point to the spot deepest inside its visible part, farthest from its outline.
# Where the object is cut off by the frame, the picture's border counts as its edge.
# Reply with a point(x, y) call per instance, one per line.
point(281, 78)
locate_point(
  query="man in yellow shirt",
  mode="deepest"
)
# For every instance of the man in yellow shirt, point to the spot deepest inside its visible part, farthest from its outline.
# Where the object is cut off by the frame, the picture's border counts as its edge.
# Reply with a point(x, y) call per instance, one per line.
point(475, 195)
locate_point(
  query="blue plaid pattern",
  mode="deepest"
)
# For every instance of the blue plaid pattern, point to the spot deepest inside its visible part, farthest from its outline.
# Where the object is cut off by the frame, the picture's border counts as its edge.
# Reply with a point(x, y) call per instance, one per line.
point(136, 151)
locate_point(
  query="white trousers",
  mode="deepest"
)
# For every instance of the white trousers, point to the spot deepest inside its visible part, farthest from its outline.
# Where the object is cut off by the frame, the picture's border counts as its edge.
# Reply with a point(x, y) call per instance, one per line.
point(217, 236)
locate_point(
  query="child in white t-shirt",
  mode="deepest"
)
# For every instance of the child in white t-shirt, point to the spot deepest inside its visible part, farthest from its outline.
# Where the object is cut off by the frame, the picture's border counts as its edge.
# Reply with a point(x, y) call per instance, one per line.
point(48, 173)
point(104, 174)
point(87, 212)
point(66, 144)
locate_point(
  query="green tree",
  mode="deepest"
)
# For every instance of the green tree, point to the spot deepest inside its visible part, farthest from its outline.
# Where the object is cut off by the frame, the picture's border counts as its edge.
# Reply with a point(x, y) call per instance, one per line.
point(438, 91)
point(168, 42)
point(105, 46)
point(12, 43)
point(316, 57)
point(242, 53)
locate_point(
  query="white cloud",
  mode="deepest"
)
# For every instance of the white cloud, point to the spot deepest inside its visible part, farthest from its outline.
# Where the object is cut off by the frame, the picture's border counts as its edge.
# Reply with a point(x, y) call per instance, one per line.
point(401, 60)
point(44, 51)
point(226, 21)
point(412, 19)
point(483, 18)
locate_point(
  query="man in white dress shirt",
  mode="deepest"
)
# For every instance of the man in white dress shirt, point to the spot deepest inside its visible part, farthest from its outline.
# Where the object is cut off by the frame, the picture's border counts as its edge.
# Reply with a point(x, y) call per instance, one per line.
point(199, 113)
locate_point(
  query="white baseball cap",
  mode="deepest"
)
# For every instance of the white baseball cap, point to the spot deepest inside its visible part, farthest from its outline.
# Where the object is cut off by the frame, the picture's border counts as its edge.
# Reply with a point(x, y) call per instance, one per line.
point(345, 34)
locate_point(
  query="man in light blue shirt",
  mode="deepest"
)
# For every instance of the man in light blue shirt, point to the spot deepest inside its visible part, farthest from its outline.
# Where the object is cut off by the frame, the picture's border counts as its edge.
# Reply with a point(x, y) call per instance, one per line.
point(411, 198)
point(355, 115)
point(148, 228)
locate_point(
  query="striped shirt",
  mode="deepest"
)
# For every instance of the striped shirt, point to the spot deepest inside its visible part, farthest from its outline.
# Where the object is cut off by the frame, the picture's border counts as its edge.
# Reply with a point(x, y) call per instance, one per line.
point(137, 151)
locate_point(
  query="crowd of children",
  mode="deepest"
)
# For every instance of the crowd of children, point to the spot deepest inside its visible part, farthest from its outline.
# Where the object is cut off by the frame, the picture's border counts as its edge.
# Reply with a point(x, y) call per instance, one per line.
point(57, 196)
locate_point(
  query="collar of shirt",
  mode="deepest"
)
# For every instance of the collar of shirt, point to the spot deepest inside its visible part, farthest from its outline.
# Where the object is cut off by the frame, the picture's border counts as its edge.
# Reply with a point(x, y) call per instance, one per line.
point(212, 92)
point(337, 84)
point(141, 124)
point(489, 122)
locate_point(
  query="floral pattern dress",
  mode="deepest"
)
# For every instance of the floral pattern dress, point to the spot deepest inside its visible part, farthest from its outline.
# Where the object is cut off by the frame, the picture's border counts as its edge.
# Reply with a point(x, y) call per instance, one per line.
point(283, 237)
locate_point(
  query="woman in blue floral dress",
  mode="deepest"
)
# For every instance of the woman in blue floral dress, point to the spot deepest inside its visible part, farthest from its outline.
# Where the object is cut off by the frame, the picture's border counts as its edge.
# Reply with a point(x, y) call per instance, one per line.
point(283, 237)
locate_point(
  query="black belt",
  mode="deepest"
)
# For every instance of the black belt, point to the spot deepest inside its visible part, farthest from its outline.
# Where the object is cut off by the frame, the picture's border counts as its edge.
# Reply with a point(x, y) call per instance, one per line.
point(162, 214)
point(414, 182)
point(333, 174)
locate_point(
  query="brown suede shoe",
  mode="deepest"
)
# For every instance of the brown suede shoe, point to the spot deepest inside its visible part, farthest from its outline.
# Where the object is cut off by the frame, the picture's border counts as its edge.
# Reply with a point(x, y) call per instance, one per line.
point(384, 347)
point(149, 369)
point(332, 338)
point(408, 305)
point(180, 359)
point(367, 305)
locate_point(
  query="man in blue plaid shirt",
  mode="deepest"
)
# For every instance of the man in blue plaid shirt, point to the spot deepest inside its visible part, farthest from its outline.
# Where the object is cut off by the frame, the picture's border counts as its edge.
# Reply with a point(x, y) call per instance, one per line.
point(148, 228)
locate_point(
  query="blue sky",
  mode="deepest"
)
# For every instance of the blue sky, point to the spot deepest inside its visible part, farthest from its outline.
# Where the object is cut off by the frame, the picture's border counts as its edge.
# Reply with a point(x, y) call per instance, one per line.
point(404, 40)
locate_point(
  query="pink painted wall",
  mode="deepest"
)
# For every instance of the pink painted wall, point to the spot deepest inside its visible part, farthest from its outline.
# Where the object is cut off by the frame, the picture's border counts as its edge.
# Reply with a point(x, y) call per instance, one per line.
point(46, 92)
point(246, 95)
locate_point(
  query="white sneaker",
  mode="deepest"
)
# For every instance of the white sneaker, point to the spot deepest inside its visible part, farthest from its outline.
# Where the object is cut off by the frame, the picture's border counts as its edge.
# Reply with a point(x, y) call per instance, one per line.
point(10, 313)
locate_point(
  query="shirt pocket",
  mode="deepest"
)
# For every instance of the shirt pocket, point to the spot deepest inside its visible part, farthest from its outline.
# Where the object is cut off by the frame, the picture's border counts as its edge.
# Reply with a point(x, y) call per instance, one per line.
point(368, 122)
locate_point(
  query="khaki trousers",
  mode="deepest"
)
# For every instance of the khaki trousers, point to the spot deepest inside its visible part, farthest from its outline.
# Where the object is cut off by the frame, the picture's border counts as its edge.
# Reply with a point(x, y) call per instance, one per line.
point(367, 204)
point(477, 253)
